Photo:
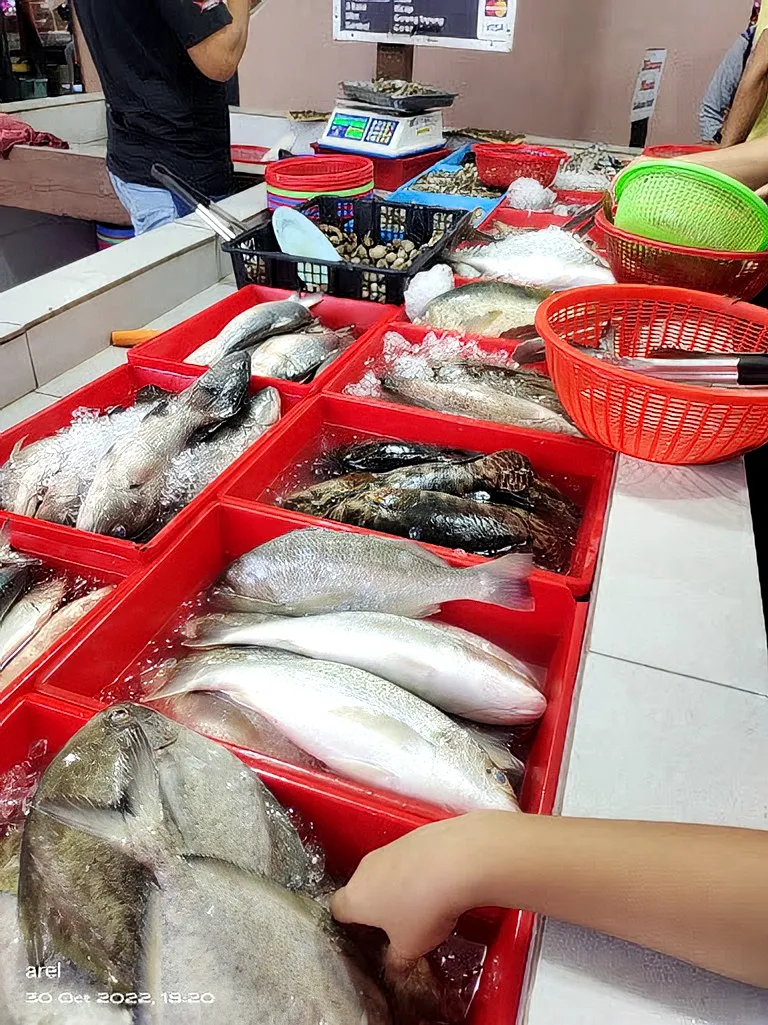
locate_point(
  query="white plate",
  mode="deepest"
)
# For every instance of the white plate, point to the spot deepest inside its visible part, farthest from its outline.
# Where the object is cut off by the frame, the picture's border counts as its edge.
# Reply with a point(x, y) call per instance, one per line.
point(298, 236)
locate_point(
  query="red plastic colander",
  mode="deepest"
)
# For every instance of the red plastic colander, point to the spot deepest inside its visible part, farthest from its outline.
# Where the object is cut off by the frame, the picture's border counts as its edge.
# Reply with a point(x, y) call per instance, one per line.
point(661, 421)
point(499, 164)
point(641, 261)
point(672, 152)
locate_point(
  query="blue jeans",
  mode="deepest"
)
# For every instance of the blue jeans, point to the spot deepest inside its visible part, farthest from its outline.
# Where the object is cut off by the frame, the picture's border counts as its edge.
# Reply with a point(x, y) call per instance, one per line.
point(149, 208)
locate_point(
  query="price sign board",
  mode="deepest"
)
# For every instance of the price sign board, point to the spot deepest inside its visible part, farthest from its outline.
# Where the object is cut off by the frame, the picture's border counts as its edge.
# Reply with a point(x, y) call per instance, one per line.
point(461, 24)
point(647, 85)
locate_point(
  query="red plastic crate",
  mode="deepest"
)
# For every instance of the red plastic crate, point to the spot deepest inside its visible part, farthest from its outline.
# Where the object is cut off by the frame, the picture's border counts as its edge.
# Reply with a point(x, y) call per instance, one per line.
point(583, 473)
point(370, 351)
point(533, 219)
point(389, 173)
point(64, 550)
point(347, 829)
point(119, 387)
point(169, 350)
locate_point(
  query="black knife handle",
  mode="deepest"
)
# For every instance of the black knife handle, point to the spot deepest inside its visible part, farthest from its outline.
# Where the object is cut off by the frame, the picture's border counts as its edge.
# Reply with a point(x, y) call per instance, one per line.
point(753, 369)
point(182, 189)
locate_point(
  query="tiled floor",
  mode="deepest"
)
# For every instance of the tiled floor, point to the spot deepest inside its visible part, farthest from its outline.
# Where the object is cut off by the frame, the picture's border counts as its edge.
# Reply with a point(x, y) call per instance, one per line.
point(107, 359)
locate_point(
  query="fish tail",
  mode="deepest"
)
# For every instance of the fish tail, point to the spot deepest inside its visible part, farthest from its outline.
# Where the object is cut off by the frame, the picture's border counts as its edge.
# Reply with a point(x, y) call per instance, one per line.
point(222, 390)
point(503, 582)
point(309, 300)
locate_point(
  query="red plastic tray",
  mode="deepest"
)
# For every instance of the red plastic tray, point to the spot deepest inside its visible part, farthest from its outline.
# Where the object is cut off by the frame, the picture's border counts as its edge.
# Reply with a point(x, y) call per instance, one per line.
point(119, 387)
point(389, 173)
point(169, 350)
point(347, 829)
point(535, 220)
point(549, 636)
point(65, 550)
point(369, 351)
point(583, 473)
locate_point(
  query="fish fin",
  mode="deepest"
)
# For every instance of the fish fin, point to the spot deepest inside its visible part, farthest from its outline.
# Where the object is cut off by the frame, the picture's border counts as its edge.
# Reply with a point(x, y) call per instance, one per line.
point(504, 581)
point(308, 300)
point(104, 823)
point(17, 448)
point(484, 324)
point(229, 600)
point(212, 631)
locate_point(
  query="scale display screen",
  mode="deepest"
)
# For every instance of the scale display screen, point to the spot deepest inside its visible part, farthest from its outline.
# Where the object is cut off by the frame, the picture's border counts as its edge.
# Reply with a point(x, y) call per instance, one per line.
point(348, 126)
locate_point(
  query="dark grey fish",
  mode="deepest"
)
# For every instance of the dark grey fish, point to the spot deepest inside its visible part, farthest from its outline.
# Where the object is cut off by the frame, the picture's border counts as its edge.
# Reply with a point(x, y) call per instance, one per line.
point(381, 456)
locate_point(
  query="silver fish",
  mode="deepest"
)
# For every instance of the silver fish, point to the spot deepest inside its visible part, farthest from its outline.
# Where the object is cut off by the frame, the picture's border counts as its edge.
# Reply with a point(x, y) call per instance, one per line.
point(200, 464)
point(25, 477)
point(126, 494)
point(361, 726)
point(28, 615)
point(494, 742)
point(61, 621)
point(465, 398)
point(130, 795)
point(255, 325)
point(292, 357)
point(314, 570)
point(491, 308)
point(453, 669)
point(214, 715)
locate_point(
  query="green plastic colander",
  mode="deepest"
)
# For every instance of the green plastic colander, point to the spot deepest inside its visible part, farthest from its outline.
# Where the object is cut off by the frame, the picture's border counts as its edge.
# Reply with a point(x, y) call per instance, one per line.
point(687, 205)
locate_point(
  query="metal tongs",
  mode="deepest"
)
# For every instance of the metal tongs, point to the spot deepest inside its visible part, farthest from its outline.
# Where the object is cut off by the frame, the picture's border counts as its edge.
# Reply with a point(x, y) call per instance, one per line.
point(225, 226)
point(726, 371)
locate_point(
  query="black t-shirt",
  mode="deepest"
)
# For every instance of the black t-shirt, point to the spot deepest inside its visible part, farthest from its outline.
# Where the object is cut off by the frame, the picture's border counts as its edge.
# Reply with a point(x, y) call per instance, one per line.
point(160, 108)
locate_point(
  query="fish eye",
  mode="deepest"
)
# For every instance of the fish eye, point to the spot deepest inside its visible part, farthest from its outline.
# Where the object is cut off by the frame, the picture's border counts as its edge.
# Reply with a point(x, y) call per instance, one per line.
point(120, 531)
point(119, 716)
point(498, 776)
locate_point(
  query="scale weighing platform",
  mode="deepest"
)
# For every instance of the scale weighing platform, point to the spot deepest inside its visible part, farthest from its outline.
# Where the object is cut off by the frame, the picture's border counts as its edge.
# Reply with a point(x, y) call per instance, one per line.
point(382, 133)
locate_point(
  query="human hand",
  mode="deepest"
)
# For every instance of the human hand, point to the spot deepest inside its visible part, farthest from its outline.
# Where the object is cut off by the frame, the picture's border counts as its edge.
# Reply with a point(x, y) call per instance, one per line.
point(416, 888)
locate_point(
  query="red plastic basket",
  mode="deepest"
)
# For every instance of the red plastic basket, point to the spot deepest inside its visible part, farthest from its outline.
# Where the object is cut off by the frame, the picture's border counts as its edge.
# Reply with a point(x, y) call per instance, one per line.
point(347, 825)
point(320, 174)
point(169, 350)
point(328, 421)
point(498, 165)
point(671, 152)
point(389, 173)
point(637, 260)
point(645, 417)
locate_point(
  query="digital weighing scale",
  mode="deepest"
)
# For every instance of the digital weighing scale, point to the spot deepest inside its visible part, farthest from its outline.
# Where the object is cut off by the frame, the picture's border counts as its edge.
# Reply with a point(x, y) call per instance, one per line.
point(372, 132)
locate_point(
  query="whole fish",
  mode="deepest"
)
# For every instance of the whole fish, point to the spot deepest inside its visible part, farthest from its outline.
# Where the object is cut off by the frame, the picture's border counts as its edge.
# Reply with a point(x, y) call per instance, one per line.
point(87, 444)
point(314, 570)
point(519, 383)
point(126, 494)
point(255, 325)
point(359, 725)
point(201, 463)
point(491, 308)
point(31, 612)
point(380, 456)
point(475, 400)
point(46, 1000)
point(26, 475)
point(453, 669)
point(321, 499)
point(438, 519)
point(130, 778)
point(214, 715)
point(295, 356)
point(505, 471)
point(13, 581)
point(61, 621)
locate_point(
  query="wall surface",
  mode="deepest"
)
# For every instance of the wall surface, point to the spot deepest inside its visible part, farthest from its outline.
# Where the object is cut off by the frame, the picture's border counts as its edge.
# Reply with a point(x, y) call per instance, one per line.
point(32, 244)
point(571, 73)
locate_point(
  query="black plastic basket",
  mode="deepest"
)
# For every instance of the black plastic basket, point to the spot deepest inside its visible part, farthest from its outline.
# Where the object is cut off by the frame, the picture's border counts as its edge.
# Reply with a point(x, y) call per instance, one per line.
point(257, 259)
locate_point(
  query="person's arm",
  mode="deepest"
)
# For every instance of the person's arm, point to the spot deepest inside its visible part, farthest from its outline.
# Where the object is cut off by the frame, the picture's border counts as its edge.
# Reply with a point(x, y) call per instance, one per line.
point(750, 96)
point(747, 162)
point(219, 55)
point(699, 893)
point(213, 33)
point(720, 93)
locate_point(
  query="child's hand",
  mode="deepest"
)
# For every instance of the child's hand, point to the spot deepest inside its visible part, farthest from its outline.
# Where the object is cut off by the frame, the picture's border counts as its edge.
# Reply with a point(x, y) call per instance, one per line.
point(416, 888)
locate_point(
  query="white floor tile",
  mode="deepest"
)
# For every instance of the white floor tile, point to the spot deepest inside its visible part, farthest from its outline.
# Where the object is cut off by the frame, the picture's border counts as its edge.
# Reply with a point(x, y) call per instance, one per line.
point(87, 371)
point(652, 745)
point(192, 306)
point(24, 407)
point(679, 587)
point(585, 978)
